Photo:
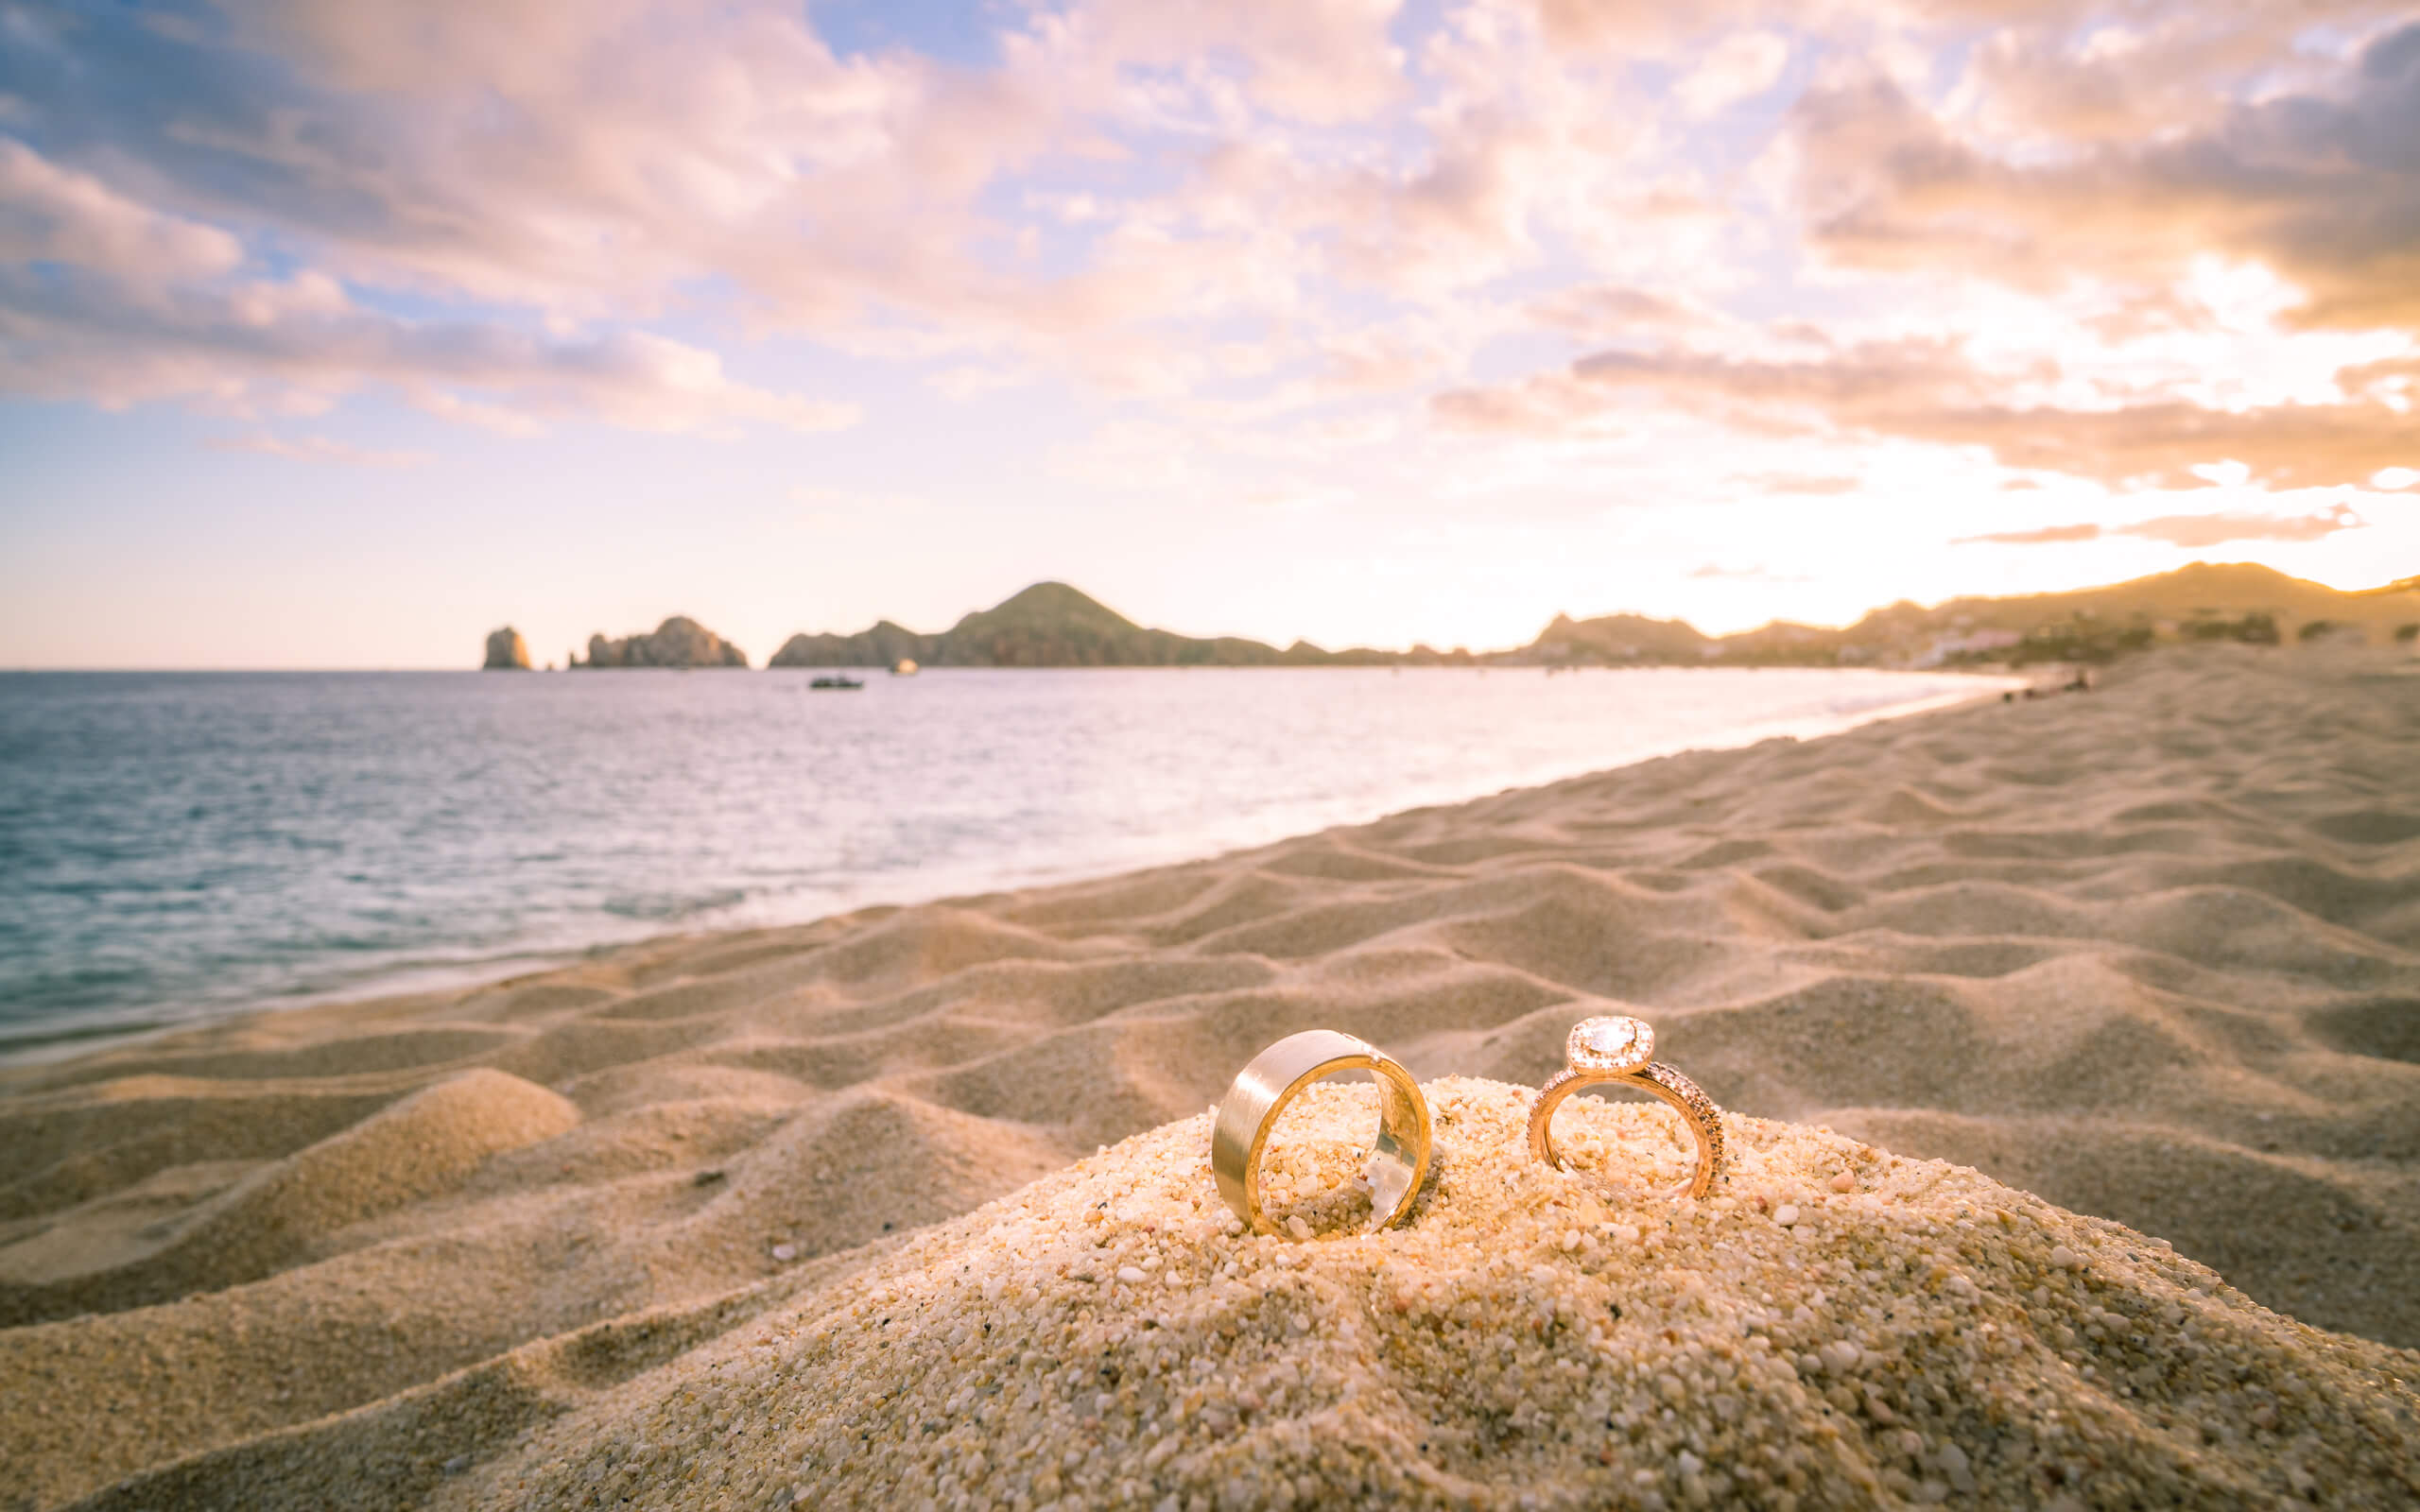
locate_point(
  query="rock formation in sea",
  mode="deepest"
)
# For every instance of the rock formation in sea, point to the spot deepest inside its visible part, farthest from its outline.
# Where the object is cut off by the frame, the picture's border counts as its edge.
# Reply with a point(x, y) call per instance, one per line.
point(679, 641)
point(506, 651)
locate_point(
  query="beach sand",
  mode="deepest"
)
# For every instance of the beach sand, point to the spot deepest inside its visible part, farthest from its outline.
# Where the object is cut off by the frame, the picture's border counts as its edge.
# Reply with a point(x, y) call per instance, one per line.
point(914, 1204)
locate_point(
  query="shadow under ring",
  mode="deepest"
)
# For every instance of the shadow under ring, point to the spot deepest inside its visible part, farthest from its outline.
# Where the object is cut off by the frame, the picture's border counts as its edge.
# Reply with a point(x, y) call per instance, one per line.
point(1681, 1094)
point(1399, 1155)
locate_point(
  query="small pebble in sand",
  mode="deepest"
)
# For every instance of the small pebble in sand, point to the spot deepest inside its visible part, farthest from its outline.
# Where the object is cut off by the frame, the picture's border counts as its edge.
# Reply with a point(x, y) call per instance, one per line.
point(785, 1253)
point(1786, 1214)
point(1844, 1182)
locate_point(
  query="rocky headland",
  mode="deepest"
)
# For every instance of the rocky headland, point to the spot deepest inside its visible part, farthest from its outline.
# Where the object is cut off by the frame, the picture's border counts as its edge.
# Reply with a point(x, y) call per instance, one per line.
point(679, 641)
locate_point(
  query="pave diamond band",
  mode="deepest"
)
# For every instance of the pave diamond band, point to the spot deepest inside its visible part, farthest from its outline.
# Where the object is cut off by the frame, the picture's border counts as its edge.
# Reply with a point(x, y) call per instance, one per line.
point(1399, 1155)
point(1615, 1051)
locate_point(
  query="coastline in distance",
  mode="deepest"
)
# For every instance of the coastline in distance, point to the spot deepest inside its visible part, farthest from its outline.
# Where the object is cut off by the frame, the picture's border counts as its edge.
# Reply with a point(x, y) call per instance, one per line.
point(1053, 624)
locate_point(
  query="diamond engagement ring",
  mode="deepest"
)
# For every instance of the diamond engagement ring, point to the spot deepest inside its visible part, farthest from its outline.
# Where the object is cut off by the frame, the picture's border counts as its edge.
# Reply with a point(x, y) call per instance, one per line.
point(1619, 1051)
point(1399, 1160)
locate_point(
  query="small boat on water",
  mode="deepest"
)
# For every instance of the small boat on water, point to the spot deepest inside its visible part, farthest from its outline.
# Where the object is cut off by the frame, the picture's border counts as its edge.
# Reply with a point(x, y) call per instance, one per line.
point(834, 685)
point(907, 667)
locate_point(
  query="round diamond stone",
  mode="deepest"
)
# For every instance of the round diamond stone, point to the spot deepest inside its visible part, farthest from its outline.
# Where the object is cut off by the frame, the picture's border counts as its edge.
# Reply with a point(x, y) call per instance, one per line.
point(1611, 1044)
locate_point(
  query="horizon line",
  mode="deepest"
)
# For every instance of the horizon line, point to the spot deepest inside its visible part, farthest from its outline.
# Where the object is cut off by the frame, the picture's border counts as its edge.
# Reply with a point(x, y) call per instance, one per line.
point(2411, 583)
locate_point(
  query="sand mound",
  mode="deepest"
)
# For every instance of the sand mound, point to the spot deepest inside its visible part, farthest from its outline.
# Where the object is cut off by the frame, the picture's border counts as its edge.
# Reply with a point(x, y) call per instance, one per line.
point(2152, 953)
point(1841, 1327)
point(426, 1143)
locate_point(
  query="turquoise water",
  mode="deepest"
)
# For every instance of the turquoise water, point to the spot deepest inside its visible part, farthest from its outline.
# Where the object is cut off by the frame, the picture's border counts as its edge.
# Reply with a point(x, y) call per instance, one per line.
point(175, 846)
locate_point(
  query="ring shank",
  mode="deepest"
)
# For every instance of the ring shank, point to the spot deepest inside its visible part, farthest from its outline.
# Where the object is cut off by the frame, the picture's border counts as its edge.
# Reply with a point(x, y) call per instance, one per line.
point(1275, 1077)
point(1680, 1093)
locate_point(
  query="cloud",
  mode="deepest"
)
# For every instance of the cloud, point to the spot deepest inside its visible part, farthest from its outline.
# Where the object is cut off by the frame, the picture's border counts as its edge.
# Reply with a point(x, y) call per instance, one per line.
point(1744, 64)
point(2162, 442)
point(1644, 24)
point(315, 449)
point(103, 299)
point(1935, 390)
point(1545, 408)
point(1322, 61)
point(2215, 529)
point(1607, 310)
point(462, 157)
point(2323, 185)
point(1818, 485)
point(2188, 530)
point(50, 216)
point(1233, 214)
point(2046, 536)
point(2140, 72)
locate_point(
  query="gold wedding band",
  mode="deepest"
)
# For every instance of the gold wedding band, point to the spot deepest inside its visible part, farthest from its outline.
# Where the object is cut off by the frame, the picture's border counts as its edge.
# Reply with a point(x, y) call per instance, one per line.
point(1399, 1159)
point(1617, 1051)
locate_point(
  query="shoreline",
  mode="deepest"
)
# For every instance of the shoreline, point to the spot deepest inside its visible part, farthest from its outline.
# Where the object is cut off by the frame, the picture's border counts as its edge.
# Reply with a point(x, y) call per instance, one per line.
point(422, 980)
point(735, 1216)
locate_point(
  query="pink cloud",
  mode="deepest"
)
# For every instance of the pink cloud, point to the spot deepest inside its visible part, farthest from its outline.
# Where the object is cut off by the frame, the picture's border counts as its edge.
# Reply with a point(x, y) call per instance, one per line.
point(316, 449)
point(2321, 184)
point(1935, 391)
point(2046, 536)
point(147, 306)
point(2188, 530)
point(2194, 531)
point(1289, 199)
point(53, 215)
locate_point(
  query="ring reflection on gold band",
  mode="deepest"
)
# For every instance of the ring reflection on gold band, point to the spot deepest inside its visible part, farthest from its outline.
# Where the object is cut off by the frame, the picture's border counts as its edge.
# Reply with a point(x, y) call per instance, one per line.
point(1626, 1066)
point(1399, 1156)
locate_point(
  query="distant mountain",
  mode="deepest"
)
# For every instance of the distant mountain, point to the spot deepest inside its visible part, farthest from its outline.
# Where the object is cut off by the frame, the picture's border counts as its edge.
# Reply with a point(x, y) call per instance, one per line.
point(2239, 601)
point(885, 646)
point(679, 641)
point(1051, 625)
point(1619, 638)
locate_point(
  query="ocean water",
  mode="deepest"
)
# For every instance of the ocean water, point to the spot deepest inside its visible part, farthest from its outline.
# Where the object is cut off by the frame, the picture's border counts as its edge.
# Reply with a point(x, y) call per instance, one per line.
point(175, 846)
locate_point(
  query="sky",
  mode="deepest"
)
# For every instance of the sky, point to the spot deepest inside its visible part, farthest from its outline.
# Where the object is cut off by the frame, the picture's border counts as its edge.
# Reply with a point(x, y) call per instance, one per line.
point(340, 335)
